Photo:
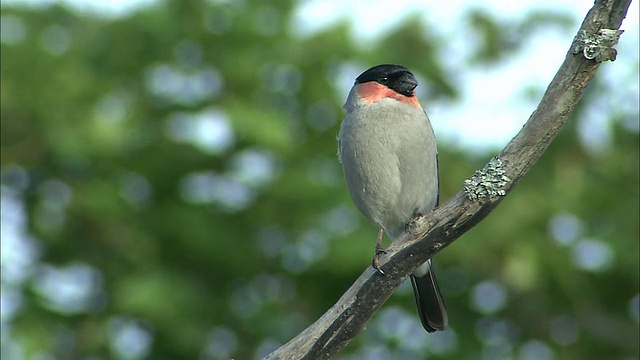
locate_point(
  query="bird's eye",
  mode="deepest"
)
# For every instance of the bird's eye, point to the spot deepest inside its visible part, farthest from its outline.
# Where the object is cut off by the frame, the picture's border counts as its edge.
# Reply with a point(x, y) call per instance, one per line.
point(383, 80)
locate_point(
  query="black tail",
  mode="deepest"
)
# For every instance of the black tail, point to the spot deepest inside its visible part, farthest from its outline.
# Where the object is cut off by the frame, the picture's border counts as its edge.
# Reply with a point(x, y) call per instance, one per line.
point(431, 307)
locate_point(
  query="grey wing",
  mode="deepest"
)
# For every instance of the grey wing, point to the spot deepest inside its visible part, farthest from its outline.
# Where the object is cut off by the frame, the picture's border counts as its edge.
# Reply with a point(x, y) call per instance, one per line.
point(437, 180)
point(339, 148)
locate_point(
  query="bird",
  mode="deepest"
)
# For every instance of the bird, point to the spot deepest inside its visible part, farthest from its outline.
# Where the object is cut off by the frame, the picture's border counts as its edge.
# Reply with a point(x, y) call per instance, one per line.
point(389, 156)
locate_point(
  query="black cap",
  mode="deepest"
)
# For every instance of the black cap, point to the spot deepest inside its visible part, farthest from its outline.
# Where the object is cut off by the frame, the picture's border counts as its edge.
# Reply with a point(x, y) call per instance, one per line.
point(395, 77)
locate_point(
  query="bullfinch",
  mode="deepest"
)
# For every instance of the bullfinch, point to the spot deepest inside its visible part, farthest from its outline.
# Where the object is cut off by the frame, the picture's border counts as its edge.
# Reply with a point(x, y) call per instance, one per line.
point(390, 160)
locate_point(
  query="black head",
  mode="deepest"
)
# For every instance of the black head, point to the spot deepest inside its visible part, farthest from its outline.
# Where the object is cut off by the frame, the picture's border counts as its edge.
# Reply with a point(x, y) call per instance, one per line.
point(395, 77)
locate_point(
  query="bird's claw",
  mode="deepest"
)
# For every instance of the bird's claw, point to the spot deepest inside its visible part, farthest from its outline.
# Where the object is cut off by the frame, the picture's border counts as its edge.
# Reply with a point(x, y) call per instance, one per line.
point(375, 262)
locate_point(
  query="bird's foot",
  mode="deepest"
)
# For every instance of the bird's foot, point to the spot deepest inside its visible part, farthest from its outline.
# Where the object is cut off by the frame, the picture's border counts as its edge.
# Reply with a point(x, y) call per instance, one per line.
point(375, 262)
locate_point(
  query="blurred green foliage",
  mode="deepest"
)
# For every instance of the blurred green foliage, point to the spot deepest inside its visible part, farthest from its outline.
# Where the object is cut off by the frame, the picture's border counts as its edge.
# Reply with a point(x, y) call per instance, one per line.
point(176, 172)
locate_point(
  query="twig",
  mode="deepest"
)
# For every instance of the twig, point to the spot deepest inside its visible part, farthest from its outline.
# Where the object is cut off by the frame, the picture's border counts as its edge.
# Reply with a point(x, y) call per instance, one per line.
point(438, 229)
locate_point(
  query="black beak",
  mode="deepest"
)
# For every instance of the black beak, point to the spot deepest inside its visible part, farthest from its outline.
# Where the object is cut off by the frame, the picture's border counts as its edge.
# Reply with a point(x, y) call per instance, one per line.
point(406, 84)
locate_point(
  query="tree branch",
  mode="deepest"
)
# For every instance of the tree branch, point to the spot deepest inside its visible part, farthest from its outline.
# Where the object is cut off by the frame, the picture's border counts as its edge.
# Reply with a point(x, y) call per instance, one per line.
point(431, 233)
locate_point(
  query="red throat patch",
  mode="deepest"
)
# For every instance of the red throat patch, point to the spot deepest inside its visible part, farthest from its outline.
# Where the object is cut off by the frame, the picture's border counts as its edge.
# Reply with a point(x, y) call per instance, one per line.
point(371, 92)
